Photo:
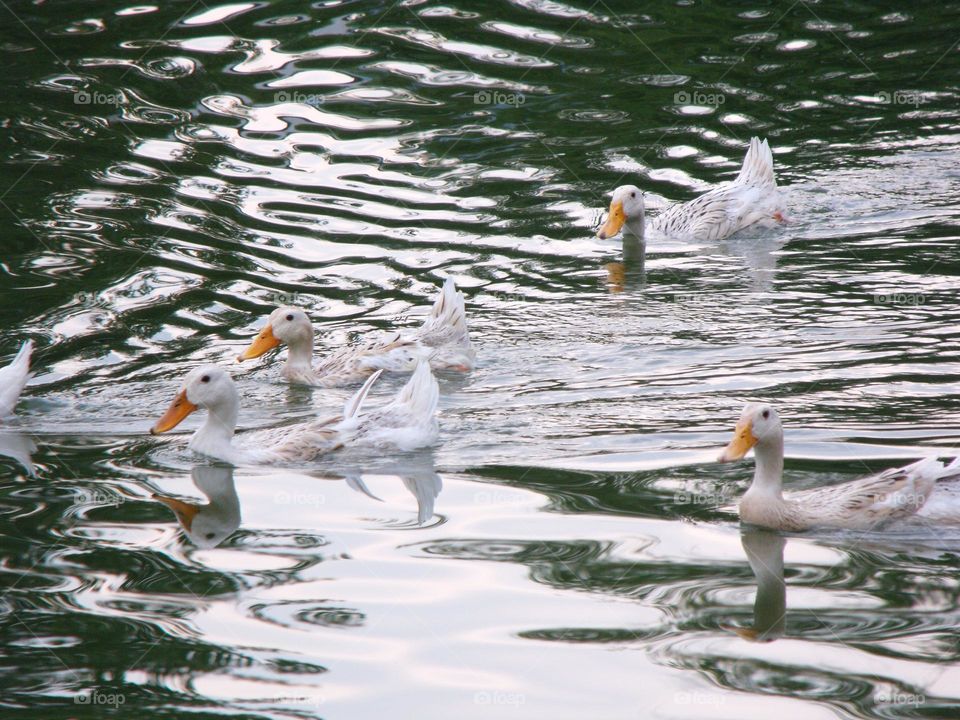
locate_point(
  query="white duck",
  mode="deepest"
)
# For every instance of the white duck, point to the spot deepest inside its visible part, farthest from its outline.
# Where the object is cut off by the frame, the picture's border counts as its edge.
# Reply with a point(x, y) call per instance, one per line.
point(442, 340)
point(407, 422)
point(751, 198)
point(860, 504)
point(13, 378)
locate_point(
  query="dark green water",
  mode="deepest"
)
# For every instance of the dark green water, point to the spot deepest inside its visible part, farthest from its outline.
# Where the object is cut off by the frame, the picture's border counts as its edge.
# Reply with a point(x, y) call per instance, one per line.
point(173, 172)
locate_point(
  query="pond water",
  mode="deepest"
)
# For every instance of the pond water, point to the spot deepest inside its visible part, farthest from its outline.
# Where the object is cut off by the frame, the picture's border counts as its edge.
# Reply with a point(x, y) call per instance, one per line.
point(569, 548)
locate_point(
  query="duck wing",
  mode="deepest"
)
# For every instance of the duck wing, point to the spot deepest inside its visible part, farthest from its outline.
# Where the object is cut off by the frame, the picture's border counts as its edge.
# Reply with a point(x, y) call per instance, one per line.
point(750, 198)
point(408, 421)
point(890, 495)
point(358, 362)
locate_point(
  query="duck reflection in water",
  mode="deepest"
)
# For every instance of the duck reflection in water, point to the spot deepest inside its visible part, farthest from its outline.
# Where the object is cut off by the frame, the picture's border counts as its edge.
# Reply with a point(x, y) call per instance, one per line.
point(418, 475)
point(20, 447)
point(631, 273)
point(764, 550)
point(207, 525)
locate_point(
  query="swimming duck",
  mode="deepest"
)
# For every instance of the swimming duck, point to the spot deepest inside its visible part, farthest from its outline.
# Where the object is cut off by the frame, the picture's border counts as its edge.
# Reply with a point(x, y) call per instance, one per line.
point(751, 198)
point(860, 504)
point(13, 378)
point(442, 340)
point(407, 422)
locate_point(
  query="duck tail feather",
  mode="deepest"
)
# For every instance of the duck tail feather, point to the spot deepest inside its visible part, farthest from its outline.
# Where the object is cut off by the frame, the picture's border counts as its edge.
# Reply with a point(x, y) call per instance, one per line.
point(421, 393)
point(353, 405)
point(757, 165)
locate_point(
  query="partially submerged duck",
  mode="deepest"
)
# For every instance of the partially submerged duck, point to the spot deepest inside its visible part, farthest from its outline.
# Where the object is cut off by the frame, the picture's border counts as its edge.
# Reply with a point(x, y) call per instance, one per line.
point(13, 378)
point(442, 341)
point(751, 198)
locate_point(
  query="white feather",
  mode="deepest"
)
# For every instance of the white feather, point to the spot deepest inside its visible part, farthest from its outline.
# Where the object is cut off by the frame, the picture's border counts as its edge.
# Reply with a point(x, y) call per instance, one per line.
point(13, 378)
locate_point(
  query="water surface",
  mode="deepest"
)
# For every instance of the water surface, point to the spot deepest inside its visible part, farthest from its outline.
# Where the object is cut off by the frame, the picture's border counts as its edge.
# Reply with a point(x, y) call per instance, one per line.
point(173, 172)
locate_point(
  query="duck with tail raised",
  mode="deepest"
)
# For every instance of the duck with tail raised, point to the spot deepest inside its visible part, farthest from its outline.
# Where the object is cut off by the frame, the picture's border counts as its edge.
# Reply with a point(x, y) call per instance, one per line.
point(442, 341)
point(13, 378)
point(407, 422)
point(750, 199)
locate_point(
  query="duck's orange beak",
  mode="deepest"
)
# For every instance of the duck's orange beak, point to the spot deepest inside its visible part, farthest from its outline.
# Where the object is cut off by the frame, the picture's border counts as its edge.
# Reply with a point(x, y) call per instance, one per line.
point(743, 440)
point(263, 342)
point(615, 221)
point(178, 410)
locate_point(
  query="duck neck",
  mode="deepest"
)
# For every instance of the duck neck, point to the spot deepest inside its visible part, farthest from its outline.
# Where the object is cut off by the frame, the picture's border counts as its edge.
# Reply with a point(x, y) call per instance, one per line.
point(634, 227)
point(216, 434)
point(299, 355)
point(768, 475)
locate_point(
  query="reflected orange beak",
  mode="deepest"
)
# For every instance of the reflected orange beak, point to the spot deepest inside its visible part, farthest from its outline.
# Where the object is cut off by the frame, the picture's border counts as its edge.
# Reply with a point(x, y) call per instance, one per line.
point(747, 633)
point(616, 276)
point(263, 342)
point(178, 410)
point(184, 511)
point(615, 221)
point(743, 440)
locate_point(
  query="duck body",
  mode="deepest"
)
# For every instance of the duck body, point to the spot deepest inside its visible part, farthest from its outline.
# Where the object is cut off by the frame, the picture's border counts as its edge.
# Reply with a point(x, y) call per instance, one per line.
point(752, 198)
point(861, 504)
point(13, 378)
point(442, 341)
point(406, 423)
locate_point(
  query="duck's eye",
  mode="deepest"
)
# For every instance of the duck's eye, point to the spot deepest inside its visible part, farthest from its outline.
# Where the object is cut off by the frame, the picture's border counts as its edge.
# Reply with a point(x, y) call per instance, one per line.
point(633, 194)
point(210, 536)
point(205, 378)
point(290, 317)
point(766, 414)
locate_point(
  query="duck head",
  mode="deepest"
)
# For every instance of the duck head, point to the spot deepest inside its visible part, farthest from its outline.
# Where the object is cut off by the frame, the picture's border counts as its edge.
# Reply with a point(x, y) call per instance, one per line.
point(626, 208)
point(209, 387)
point(759, 424)
point(286, 326)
